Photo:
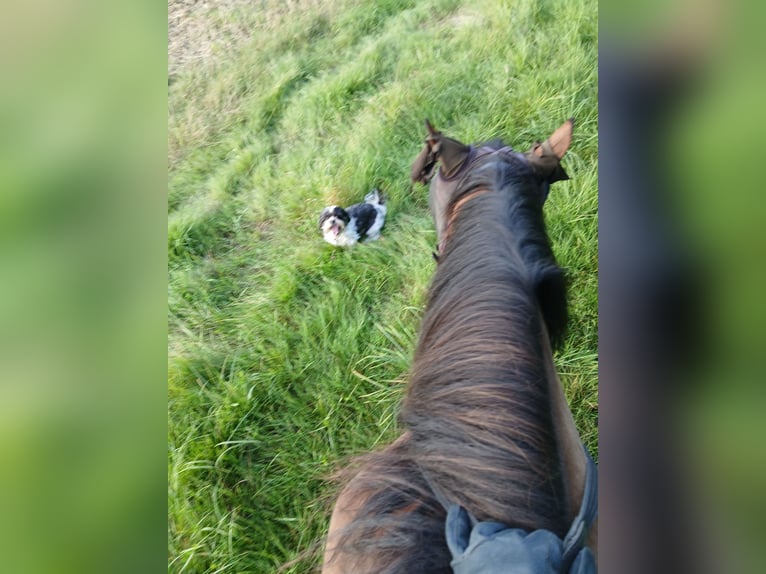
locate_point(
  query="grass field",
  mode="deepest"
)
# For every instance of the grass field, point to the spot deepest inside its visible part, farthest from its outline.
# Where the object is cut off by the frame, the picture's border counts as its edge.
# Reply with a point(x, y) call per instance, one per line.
point(286, 355)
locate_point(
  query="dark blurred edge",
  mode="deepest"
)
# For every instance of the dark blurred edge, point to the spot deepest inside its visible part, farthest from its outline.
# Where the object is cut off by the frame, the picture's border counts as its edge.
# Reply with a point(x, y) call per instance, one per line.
point(681, 278)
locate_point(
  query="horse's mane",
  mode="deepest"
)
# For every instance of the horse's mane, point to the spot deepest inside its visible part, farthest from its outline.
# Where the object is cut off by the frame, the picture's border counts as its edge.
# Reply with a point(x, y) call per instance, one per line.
point(477, 420)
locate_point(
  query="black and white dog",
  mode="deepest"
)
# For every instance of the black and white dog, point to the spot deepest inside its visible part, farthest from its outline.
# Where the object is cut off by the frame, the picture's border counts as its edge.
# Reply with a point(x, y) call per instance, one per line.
point(344, 227)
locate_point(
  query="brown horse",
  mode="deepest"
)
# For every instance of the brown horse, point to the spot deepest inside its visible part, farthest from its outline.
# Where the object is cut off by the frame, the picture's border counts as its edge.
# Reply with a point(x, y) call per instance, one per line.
point(486, 423)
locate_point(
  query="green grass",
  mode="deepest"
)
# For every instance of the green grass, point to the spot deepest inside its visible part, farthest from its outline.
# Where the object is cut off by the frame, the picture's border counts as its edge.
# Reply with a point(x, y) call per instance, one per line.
point(286, 355)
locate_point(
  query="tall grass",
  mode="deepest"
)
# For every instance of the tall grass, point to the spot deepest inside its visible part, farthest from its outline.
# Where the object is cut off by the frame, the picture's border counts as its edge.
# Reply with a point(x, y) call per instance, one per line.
point(285, 354)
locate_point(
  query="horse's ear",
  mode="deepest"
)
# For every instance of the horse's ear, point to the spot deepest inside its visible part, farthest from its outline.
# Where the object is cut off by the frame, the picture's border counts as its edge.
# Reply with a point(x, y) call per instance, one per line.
point(424, 164)
point(433, 133)
point(545, 157)
point(560, 139)
point(453, 154)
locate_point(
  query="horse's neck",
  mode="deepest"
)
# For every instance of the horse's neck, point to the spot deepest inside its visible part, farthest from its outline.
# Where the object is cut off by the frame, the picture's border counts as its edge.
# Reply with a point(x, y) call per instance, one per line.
point(571, 454)
point(573, 459)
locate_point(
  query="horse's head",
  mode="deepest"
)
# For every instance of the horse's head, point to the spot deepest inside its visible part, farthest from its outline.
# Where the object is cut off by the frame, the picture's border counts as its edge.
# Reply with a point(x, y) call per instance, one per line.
point(456, 159)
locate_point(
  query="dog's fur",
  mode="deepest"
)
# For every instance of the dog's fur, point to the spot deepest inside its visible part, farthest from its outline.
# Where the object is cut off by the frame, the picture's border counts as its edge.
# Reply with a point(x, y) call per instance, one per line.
point(361, 221)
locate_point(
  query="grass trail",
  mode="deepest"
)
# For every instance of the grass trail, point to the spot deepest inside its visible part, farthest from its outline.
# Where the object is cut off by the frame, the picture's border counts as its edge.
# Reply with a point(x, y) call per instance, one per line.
point(286, 355)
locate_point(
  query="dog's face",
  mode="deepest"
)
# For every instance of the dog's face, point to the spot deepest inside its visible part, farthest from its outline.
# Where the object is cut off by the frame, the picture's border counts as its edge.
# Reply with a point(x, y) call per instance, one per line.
point(333, 220)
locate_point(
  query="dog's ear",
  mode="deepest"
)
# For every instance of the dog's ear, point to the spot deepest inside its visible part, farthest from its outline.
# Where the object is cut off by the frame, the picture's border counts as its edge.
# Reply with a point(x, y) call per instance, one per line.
point(326, 212)
point(424, 165)
point(545, 157)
